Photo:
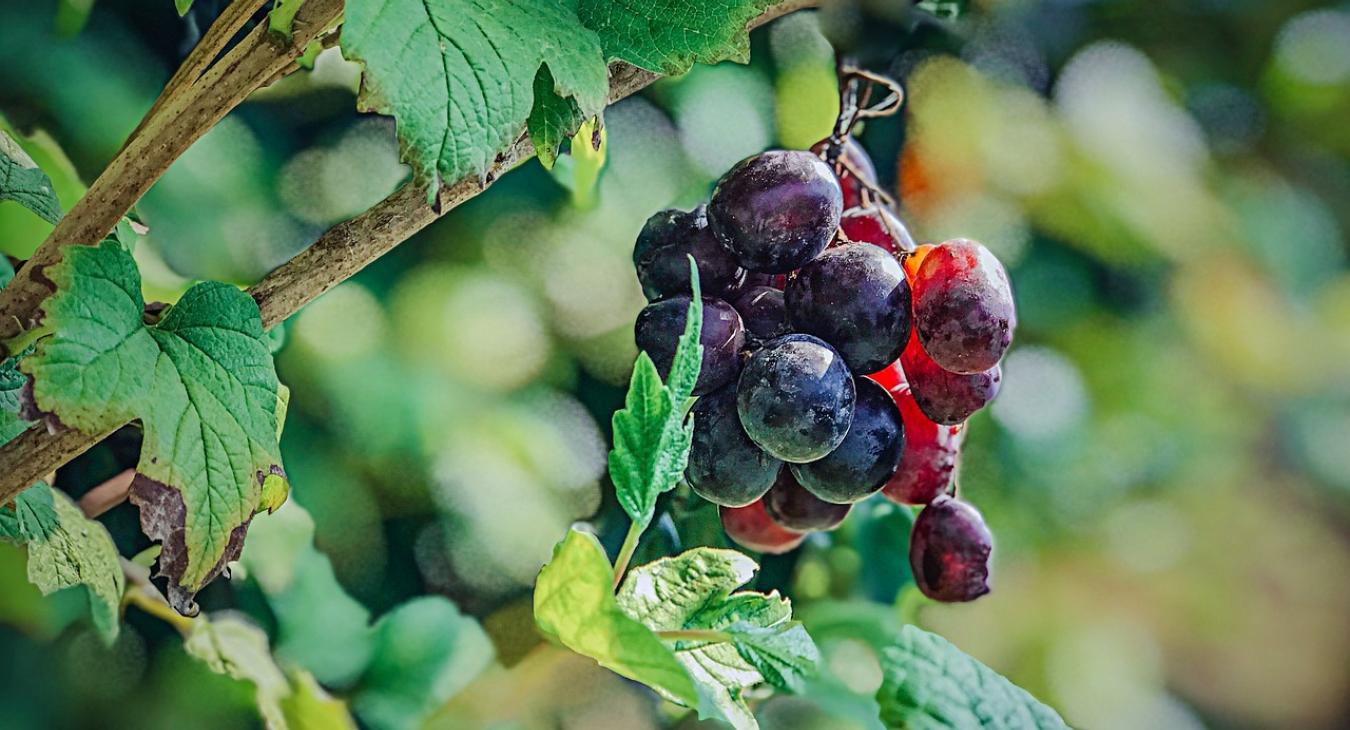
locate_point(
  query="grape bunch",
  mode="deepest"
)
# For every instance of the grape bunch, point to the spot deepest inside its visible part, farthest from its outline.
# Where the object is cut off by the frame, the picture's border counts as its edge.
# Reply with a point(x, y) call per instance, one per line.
point(840, 359)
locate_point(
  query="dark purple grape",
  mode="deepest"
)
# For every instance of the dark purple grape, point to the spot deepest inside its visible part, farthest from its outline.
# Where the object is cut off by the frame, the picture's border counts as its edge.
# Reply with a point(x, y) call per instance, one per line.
point(878, 226)
point(751, 527)
point(949, 551)
point(661, 256)
point(856, 298)
point(790, 505)
point(763, 312)
point(795, 398)
point(777, 210)
point(963, 307)
point(725, 466)
point(855, 166)
point(945, 397)
point(868, 455)
point(660, 324)
point(773, 281)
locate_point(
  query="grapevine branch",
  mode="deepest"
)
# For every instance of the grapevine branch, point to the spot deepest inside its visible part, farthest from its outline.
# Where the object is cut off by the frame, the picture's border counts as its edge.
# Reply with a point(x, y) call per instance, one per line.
point(338, 254)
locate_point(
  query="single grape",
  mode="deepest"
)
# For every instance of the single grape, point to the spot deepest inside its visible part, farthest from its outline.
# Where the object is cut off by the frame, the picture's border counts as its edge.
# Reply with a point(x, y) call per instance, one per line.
point(949, 551)
point(963, 307)
point(777, 210)
point(914, 259)
point(930, 454)
point(868, 455)
point(661, 256)
point(725, 466)
point(790, 505)
point(773, 281)
point(763, 312)
point(795, 398)
point(854, 297)
point(660, 324)
point(878, 226)
point(945, 397)
point(855, 164)
point(752, 528)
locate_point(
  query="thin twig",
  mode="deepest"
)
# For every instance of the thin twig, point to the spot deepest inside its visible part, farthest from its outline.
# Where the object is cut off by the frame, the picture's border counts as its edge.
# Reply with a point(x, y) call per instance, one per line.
point(338, 254)
point(107, 495)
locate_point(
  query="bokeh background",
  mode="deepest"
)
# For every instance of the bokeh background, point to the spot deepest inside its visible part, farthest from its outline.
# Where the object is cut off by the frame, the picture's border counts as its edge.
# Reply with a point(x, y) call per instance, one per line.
point(1167, 470)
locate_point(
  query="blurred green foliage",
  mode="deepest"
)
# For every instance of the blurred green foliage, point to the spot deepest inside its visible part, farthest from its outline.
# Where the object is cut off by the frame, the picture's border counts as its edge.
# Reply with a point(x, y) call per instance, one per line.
point(1166, 471)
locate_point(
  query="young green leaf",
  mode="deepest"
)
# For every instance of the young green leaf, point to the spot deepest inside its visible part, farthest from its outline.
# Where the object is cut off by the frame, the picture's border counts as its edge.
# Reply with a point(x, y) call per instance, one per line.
point(231, 645)
point(652, 434)
point(552, 119)
point(202, 383)
point(459, 76)
point(67, 549)
point(282, 15)
point(930, 684)
point(23, 182)
point(182, 6)
point(34, 515)
point(757, 642)
point(574, 604)
point(426, 651)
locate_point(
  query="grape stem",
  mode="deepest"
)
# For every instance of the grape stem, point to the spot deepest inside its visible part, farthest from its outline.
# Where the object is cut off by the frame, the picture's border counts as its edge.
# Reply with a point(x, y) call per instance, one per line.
point(630, 543)
point(855, 93)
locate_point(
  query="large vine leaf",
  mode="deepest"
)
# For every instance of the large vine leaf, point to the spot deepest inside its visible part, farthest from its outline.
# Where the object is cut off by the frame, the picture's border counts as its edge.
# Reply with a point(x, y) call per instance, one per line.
point(652, 433)
point(932, 685)
point(663, 36)
point(23, 182)
point(67, 549)
point(574, 604)
point(229, 644)
point(693, 591)
point(459, 75)
point(202, 383)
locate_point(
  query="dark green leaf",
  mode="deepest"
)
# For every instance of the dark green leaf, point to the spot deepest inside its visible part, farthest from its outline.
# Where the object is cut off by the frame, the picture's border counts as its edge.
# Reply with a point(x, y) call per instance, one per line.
point(202, 383)
point(33, 517)
point(932, 685)
point(67, 549)
point(553, 118)
point(670, 36)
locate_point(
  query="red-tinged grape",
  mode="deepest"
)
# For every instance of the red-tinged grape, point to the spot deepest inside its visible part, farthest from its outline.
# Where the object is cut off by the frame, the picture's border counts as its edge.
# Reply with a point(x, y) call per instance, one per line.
point(660, 324)
point(930, 454)
point(791, 506)
point(856, 298)
point(878, 226)
point(914, 259)
point(866, 459)
point(763, 312)
point(949, 551)
point(889, 377)
point(795, 398)
point(777, 210)
point(662, 253)
point(856, 163)
point(752, 528)
point(945, 397)
point(963, 307)
point(725, 466)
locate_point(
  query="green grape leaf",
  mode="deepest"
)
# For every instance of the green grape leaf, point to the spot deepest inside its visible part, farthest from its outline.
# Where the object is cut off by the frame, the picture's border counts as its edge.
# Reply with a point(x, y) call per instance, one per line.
point(652, 433)
point(693, 592)
point(229, 644)
point(670, 36)
point(319, 625)
point(34, 515)
point(202, 383)
point(574, 603)
point(426, 651)
point(929, 684)
point(67, 549)
point(459, 76)
point(552, 119)
point(23, 182)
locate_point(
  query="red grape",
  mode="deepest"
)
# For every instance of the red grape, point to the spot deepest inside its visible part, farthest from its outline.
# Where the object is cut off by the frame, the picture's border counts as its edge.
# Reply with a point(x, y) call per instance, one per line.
point(949, 551)
point(929, 457)
point(963, 307)
point(854, 163)
point(945, 397)
point(878, 226)
point(752, 528)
